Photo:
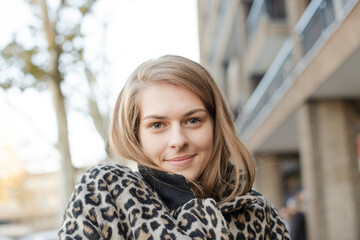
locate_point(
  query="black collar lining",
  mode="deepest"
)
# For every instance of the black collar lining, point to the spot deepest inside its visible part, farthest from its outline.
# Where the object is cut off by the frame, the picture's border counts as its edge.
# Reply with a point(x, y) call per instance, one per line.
point(173, 189)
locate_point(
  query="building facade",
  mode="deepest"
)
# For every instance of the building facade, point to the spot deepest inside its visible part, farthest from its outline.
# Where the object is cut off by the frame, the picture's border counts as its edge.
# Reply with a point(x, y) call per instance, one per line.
point(291, 73)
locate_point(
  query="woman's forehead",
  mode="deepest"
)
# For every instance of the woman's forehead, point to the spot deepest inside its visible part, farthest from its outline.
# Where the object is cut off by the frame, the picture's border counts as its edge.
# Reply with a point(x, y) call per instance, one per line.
point(163, 99)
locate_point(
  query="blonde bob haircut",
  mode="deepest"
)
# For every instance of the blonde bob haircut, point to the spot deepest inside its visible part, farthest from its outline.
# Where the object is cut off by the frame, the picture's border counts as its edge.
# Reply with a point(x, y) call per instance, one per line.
point(227, 147)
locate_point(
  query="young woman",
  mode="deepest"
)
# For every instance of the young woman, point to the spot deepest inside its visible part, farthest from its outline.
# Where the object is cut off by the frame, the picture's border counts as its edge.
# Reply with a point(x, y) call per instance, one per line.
point(195, 176)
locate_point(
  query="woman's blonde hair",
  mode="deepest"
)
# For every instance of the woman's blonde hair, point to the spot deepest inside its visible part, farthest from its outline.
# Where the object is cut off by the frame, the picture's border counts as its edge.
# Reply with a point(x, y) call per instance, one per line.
point(227, 147)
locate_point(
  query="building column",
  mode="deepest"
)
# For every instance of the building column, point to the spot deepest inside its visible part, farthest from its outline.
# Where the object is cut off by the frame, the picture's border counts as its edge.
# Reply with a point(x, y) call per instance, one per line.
point(330, 172)
point(269, 179)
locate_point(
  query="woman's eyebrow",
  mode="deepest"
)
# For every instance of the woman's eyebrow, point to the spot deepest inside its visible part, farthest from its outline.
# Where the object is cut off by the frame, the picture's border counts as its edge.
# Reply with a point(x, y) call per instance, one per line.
point(153, 116)
point(185, 115)
point(195, 111)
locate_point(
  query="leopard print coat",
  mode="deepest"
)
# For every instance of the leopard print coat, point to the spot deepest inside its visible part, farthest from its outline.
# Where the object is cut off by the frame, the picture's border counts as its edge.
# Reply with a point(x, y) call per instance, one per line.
point(113, 202)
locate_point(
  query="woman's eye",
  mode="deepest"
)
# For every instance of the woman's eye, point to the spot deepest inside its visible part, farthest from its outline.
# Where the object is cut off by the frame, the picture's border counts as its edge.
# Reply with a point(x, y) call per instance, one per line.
point(193, 120)
point(156, 125)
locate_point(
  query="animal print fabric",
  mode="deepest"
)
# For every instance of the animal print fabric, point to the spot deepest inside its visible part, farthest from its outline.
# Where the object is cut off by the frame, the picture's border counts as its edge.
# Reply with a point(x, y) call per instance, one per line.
point(112, 202)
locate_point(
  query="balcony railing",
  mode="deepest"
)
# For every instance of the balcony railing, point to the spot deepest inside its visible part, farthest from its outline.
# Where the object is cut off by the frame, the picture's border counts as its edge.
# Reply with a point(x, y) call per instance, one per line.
point(267, 92)
point(274, 9)
point(316, 18)
point(256, 12)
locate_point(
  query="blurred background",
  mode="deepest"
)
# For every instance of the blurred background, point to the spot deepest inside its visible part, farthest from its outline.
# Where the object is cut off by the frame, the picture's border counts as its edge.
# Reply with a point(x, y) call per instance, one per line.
point(289, 70)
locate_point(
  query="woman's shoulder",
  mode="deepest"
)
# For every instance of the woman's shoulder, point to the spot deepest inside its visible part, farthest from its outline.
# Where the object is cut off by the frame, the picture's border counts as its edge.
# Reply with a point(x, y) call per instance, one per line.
point(253, 199)
point(96, 199)
point(253, 210)
point(255, 202)
point(109, 173)
point(103, 178)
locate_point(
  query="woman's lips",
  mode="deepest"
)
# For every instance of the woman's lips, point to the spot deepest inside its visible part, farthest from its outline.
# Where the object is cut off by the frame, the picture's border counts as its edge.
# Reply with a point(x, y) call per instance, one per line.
point(181, 160)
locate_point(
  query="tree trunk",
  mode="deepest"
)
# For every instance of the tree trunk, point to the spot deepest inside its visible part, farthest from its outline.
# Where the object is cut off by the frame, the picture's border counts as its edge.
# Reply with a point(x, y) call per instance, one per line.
point(68, 171)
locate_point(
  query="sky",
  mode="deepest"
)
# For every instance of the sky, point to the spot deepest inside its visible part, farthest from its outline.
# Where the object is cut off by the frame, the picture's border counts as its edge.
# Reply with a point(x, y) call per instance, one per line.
point(137, 30)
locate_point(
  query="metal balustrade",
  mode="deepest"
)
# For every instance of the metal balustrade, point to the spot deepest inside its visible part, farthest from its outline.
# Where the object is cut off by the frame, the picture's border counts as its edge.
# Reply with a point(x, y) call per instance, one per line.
point(316, 18)
point(262, 98)
point(256, 12)
point(272, 9)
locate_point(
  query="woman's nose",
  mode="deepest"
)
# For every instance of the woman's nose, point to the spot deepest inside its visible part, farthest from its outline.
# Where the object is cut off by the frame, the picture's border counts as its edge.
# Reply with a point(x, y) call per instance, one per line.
point(178, 140)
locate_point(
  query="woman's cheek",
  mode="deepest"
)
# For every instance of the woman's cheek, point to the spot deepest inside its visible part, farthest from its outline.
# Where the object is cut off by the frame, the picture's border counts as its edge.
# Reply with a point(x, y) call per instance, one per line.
point(153, 144)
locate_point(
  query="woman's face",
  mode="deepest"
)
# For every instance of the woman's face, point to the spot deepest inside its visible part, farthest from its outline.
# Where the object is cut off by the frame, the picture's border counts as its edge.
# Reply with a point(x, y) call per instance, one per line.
point(176, 130)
